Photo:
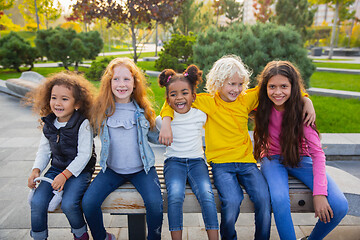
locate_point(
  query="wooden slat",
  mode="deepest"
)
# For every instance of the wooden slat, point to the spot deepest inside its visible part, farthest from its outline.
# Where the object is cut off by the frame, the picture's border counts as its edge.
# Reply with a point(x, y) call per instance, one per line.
point(127, 200)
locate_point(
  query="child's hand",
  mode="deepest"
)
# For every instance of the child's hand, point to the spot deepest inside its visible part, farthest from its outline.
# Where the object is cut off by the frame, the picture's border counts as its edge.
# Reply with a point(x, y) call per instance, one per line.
point(165, 135)
point(34, 174)
point(59, 182)
point(309, 114)
point(322, 208)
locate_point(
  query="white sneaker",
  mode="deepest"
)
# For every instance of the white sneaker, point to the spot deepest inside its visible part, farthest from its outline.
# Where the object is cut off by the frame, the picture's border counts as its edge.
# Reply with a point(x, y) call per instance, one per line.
point(303, 238)
point(110, 236)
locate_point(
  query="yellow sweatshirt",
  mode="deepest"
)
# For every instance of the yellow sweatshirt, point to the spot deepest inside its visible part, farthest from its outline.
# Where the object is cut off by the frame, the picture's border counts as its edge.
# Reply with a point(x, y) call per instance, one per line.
point(226, 132)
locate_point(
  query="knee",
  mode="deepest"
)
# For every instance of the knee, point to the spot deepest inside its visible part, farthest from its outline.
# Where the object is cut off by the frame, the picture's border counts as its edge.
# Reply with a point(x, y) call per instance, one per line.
point(175, 195)
point(280, 200)
point(340, 208)
point(89, 203)
point(69, 206)
point(232, 204)
point(38, 205)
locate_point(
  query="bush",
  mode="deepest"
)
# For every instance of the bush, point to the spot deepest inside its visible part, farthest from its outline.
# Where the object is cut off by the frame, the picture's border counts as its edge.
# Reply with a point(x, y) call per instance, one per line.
point(15, 51)
point(67, 46)
point(256, 44)
point(95, 72)
point(177, 53)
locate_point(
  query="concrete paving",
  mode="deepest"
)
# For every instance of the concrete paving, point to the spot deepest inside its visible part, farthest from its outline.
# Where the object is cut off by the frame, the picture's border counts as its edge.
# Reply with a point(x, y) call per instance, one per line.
point(19, 139)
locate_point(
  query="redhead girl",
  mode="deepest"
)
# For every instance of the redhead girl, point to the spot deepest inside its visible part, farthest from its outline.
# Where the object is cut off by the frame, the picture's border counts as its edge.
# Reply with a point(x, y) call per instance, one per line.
point(125, 121)
point(287, 146)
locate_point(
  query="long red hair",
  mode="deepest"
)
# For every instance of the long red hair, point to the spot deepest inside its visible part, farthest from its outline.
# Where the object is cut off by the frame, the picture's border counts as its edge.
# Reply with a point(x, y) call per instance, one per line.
point(104, 105)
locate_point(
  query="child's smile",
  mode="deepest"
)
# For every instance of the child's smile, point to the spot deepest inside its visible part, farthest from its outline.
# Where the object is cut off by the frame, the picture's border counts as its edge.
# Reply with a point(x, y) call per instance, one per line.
point(62, 102)
point(180, 96)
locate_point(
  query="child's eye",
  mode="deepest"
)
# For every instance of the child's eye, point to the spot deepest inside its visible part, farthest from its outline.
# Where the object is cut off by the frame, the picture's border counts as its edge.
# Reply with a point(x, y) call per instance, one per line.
point(126, 79)
point(53, 98)
point(284, 86)
point(271, 86)
point(173, 95)
point(65, 99)
point(115, 79)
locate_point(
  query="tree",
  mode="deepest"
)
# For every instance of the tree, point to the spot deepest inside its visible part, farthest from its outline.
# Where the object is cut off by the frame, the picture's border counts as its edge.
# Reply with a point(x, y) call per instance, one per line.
point(15, 51)
point(191, 18)
point(67, 46)
point(79, 13)
point(262, 9)
point(296, 13)
point(219, 9)
point(4, 4)
point(336, 16)
point(45, 10)
point(233, 10)
point(133, 14)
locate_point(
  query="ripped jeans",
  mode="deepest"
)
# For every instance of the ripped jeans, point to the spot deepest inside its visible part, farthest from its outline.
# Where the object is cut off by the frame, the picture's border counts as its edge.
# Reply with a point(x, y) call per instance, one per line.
point(105, 183)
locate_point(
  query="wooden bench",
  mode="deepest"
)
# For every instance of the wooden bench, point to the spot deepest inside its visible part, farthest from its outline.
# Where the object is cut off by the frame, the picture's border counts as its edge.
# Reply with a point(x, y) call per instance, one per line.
point(25, 83)
point(127, 201)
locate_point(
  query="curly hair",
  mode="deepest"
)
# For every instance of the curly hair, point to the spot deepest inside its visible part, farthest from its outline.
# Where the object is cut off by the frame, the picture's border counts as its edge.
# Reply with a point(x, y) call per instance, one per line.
point(225, 68)
point(104, 105)
point(191, 75)
point(292, 133)
point(82, 89)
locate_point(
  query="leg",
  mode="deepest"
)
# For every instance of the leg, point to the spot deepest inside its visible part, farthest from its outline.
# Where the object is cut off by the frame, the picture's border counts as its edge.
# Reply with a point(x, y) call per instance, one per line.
point(148, 186)
point(199, 180)
point(255, 184)
point(175, 173)
point(336, 198)
point(74, 190)
point(99, 189)
point(230, 194)
point(39, 206)
point(277, 178)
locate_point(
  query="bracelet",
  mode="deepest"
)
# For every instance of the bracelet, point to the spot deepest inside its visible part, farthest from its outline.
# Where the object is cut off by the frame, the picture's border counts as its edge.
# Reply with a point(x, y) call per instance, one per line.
point(64, 175)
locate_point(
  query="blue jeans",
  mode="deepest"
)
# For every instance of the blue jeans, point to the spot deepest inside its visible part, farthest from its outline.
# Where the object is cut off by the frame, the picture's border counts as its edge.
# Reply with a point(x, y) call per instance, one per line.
point(227, 180)
point(276, 175)
point(74, 190)
point(195, 170)
point(148, 186)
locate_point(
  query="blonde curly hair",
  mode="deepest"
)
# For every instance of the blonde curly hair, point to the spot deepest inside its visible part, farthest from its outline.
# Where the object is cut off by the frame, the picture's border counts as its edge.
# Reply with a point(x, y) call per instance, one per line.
point(224, 68)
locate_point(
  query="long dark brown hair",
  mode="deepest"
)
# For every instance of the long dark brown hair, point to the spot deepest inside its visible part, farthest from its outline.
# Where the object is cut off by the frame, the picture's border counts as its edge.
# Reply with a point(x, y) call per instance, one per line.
point(292, 132)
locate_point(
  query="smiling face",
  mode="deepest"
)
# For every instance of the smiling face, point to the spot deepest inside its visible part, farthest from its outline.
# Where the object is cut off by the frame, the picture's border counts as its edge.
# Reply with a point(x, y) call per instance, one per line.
point(180, 96)
point(279, 91)
point(62, 102)
point(122, 84)
point(231, 89)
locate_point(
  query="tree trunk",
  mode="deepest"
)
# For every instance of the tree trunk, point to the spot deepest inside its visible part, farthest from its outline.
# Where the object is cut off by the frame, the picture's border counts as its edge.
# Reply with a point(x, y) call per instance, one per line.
point(156, 39)
point(37, 16)
point(333, 33)
point(133, 37)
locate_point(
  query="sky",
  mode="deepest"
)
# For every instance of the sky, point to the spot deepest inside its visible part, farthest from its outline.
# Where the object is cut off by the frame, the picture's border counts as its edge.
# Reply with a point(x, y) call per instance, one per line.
point(66, 3)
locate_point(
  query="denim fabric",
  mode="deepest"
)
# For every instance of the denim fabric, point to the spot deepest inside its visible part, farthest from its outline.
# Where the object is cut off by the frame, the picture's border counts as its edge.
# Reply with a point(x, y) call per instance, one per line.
point(106, 182)
point(195, 170)
point(74, 190)
point(227, 180)
point(144, 135)
point(276, 175)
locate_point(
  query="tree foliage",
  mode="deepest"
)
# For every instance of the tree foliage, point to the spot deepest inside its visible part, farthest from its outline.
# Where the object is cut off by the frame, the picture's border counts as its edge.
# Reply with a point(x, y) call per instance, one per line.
point(297, 13)
point(133, 13)
point(177, 53)
point(15, 51)
point(47, 11)
point(262, 9)
point(191, 18)
point(256, 45)
point(80, 13)
point(233, 10)
point(67, 46)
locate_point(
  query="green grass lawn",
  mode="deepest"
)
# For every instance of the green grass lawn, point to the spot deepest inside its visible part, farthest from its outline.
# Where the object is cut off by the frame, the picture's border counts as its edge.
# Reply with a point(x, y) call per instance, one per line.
point(339, 81)
point(336, 115)
point(10, 73)
point(337, 65)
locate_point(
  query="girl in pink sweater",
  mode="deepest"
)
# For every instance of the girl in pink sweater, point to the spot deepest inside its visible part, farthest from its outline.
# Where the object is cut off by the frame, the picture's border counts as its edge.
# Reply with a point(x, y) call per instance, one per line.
point(287, 146)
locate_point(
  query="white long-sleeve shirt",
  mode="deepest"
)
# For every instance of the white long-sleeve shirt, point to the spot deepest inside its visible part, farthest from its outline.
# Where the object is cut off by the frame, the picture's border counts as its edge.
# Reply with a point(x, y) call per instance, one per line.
point(84, 149)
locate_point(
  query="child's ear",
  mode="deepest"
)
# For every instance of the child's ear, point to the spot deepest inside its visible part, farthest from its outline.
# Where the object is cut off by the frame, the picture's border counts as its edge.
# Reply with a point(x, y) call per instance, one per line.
point(77, 106)
point(194, 96)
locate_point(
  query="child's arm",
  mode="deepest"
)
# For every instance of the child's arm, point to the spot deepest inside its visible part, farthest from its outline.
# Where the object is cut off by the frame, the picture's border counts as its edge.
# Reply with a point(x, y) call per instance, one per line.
point(165, 136)
point(41, 161)
point(309, 114)
point(84, 153)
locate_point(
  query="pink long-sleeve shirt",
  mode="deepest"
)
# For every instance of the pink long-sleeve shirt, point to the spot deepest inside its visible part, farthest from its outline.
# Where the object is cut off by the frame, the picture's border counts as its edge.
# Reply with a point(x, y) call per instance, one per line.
point(311, 146)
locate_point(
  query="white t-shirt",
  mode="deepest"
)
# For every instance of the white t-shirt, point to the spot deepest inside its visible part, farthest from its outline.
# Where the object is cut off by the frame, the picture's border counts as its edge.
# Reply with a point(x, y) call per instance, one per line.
point(187, 132)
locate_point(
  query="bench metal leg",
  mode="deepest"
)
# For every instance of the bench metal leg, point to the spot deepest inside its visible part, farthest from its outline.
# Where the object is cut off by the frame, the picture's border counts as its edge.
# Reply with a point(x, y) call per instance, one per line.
point(136, 226)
